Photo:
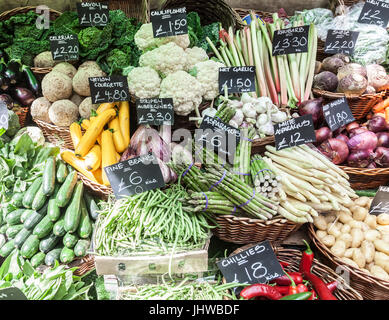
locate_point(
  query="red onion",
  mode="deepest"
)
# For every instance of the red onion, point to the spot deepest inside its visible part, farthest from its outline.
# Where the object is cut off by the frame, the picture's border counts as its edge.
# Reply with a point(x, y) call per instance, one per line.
point(352, 125)
point(335, 149)
point(355, 131)
point(323, 134)
point(363, 141)
point(381, 156)
point(313, 107)
point(359, 159)
point(339, 131)
point(343, 137)
point(377, 124)
point(383, 139)
point(165, 170)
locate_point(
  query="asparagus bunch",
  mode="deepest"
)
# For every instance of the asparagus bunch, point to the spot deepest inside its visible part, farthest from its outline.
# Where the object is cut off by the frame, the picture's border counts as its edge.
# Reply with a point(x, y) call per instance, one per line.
point(210, 201)
point(241, 165)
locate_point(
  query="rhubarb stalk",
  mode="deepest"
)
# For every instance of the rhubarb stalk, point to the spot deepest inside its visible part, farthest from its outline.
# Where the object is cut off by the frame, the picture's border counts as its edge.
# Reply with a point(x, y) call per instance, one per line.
point(312, 62)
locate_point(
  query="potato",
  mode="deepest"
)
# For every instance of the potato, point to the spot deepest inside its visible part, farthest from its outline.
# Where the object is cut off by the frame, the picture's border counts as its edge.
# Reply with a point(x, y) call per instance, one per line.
point(345, 218)
point(368, 250)
point(320, 223)
point(369, 265)
point(360, 213)
point(347, 238)
point(381, 246)
point(353, 208)
point(339, 248)
point(371, 235)
point(345, 229)
point(369, 203)
point(330, 217)
point(339, 225)
point(328, 240)
point(355, 224)
point(332, 229)
point(382, 260)
point(384, 236)
point(349, 253)
point(359, 258)
point(364, 227)
point(350, 262)
point(358, 237)
point(378, 272)
point(371, 221)
point(383, 229)
point(321, 234)
point(383, 219)
point(362, 201)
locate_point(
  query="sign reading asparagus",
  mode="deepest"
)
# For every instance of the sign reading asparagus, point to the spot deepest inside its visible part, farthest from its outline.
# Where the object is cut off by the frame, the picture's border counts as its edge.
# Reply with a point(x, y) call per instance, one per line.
point(294, 132)
point(290, 40)
point(4, 118)
point(341, 41)
point(155, 111)
point(93, 14)
point(135, 175)
point(380, 202)
point(375, 12)
point(337, 114)
point(237, 79)
point(109, 89)
point(257, 264)
point(64, 47)
point(169, 22)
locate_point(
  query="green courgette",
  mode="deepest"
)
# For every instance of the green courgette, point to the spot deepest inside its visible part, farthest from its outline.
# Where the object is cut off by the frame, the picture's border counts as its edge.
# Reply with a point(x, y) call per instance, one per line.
point(33, 219)
point(17, 199)
point(58, 228)
point(13, 218)
point(67, 255)
point(26, 214)
point(37, 259)
point(7, 248)
point(31, 192)
point(53, 211)
point(91, 205)
point(73, 211)
point(65, 192)
point(43, 228)
point(69, 240)
point(52, 256)
point(48, 182)
point(21, 237)
point(85, 226)
point(12, 231)
point(3, 229)
point(30, 246)
point(39, 199)
point(48, 243)
point(81, 247)
point(62, 171)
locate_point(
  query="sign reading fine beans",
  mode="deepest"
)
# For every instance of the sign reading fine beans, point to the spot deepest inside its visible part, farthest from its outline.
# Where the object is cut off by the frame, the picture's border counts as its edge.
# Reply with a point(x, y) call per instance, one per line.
point(109, 89)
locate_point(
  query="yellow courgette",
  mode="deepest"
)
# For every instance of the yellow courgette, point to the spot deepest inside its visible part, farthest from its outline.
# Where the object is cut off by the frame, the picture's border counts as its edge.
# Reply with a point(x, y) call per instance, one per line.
point(98, 175)
point(118, 139)
point(85, 124)
point(88, 140)
point(108, 153)
point(75, 133)
point(93, 158)
point(105, 106)
point(78, 164)
point(124, 121)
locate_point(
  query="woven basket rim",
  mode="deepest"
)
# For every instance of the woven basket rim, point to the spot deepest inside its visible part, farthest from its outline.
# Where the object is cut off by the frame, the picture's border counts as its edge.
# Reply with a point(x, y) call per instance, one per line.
point(51, 126)
point(365, 171)
point(336, 95)
point(253, 221)
point(355, 271)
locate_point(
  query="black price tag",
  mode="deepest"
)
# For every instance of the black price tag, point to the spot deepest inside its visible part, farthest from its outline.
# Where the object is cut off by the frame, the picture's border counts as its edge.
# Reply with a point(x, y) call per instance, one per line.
point(294, 132)
point(341, 41)
point(64, 47)
point(237, 79)
point(93, 14)
point(375, 12)
point(219, 137)
point(12, 293)
point(169, 22)
point(135, 175)
point(4, 118)
point(155, 111)
point(109, 89)
point(380, 202)
point(338, 114)
point(257, 264)
point(290, 40)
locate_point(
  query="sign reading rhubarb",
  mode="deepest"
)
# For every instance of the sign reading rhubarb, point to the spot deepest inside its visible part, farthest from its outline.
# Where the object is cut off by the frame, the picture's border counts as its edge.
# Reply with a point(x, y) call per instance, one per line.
point(290, 40)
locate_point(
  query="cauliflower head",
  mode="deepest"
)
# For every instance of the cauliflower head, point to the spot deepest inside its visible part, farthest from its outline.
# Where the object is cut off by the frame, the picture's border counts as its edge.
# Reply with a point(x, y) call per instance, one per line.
point(144, 39)
point(166, 59)
point(144, 82)
point(207, 74)
point(185, 91)
point(193, 56)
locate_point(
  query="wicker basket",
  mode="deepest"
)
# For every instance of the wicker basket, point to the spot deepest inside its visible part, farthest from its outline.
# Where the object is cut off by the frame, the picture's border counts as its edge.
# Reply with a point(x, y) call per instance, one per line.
point(371, 288)
point(59, 136)
point(360, 105)
point(291, 256)
point(209, 11)
point(84, 264)
point(363, 178)
point(8, 14)
point(23, 114)
point(242, 230)
point(97, 189)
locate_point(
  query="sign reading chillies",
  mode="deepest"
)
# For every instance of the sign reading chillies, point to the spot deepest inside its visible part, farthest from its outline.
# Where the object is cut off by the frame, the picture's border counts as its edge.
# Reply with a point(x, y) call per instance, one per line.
point(169, 22)
point(64, 47)
point(93, 14)
point(109, 89)
point(290, 40)
point(237, 79)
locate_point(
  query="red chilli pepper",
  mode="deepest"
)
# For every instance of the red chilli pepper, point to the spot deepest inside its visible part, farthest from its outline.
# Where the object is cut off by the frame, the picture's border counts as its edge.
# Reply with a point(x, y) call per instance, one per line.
point(285, 280)
point(260, 290)
point(313, 296)
point(306, 259)
point(320, 287)
point(302, 288)
point(284, 290)
point(332, 286)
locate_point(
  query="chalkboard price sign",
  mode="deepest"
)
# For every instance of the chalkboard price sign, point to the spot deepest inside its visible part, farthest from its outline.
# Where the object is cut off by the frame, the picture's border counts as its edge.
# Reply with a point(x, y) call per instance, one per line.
point(290, 40)
point(257, 264)
point(155, 111)
point(219, 137)
point(135, 175)
point(109, 89)
point(237, 79)
point(3, 118)
point(337, 114)
point(294, 132)
point(375, 12)
point(341, 41)
point(64, 47)
point(380, 202)
point(93, 14)
point(169, 22)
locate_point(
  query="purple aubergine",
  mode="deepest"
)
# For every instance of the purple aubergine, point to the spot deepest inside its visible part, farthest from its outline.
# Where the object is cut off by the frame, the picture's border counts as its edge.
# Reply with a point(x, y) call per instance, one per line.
point(7, 100)
point(24, 96)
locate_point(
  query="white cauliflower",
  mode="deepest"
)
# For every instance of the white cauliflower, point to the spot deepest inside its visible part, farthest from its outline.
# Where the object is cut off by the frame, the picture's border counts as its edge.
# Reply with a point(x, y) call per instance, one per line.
point(193, 56)
point(144, 39)
point(166, 59)
point(144, 82)
point(207, 73)
point(185, 91)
